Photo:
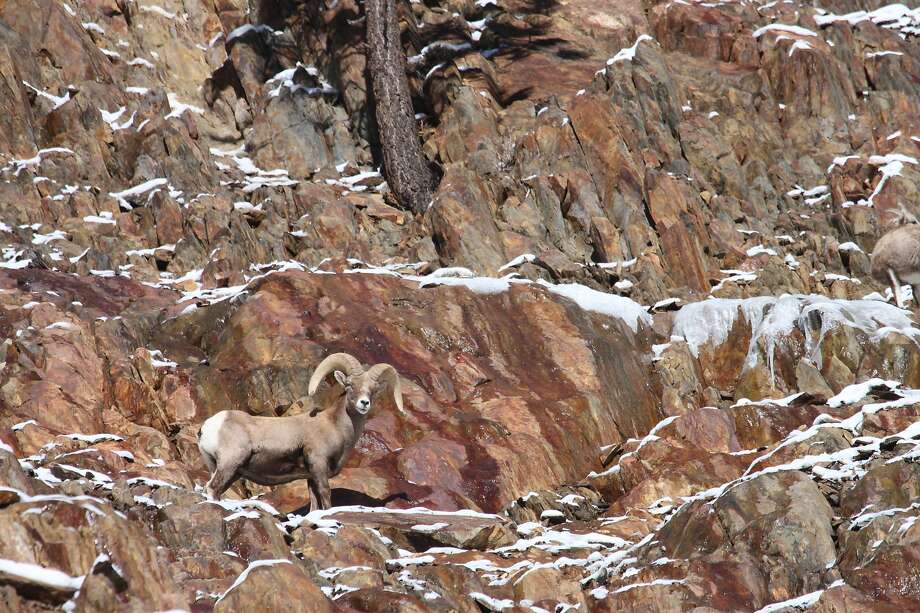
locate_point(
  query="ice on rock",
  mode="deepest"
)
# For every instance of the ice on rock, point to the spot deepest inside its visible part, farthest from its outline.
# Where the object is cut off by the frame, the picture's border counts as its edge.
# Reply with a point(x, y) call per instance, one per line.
point(770, 318)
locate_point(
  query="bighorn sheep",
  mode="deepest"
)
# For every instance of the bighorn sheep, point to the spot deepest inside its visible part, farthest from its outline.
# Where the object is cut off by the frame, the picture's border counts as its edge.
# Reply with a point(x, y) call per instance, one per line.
point(896, 259)
point(313, 446)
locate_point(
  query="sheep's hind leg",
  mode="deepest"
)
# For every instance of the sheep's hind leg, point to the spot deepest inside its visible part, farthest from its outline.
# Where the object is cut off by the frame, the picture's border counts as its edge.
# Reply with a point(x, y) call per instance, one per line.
point(221, 481)
point(224, 476)
point(896, 288)
point(915, 288)
point(209, 462)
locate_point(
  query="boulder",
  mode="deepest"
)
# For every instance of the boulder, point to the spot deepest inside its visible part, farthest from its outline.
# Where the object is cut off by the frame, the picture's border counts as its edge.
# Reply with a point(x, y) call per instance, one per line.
point(258, 588)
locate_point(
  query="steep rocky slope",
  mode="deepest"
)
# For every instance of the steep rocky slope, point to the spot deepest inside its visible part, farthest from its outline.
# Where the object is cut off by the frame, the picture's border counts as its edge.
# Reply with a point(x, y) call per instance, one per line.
point(644, 364)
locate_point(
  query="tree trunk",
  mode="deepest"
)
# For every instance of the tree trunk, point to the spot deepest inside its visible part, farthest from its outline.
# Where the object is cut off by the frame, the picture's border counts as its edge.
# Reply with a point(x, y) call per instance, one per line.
point(405, 167)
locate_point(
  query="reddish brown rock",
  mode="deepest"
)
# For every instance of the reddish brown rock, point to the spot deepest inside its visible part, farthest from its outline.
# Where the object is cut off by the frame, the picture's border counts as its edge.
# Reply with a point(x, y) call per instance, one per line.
point(11, 475)
point(269, 331)
point(260, 590)
point(367, 601)
point(700, 160)
point(547, 584)
point(352, 546)
point(773, 552)
point(423, 530)
point(846, 598)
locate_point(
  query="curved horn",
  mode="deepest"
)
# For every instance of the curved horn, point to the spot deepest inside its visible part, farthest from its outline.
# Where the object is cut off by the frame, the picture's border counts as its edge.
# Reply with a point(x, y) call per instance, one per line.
point(388, 374)
point(336, 361)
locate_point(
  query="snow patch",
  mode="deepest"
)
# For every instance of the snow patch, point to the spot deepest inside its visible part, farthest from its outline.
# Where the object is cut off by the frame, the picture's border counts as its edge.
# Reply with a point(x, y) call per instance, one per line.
point(157, 10)
point(892, 16)
point(478, 285)
point(783, 27)
point(760, 249)
point(57, 101)
point(137, 190)
point(800, 602)
point(429, 528)
point(40, 575)
point(629, 53)
point(178, 107)
point(245, 29)
point(521, 259)
point(600, 302)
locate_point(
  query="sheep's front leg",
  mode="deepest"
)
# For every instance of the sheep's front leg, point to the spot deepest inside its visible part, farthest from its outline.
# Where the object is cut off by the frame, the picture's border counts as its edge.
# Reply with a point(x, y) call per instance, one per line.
point(323, 491)
point(314, 496)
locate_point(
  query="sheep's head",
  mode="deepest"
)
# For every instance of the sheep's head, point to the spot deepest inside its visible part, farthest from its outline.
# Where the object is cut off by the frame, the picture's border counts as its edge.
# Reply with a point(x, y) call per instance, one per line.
point(361, 386)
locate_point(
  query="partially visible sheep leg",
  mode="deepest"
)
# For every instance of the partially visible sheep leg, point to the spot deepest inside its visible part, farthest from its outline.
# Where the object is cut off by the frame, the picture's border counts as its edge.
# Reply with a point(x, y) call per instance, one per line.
point(220, 483)
point(314, 496)
point(224, 476)
point(896, 288)
point(916, 290)
point(323, 493)
point(209, 461)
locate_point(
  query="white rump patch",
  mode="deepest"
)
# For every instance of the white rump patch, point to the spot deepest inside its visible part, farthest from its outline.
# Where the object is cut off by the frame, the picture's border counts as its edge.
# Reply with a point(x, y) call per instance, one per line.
point(209, 440)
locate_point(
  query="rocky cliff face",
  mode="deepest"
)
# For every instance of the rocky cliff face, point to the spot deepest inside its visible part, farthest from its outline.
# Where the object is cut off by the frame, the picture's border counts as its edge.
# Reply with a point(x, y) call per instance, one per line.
point(644, 364)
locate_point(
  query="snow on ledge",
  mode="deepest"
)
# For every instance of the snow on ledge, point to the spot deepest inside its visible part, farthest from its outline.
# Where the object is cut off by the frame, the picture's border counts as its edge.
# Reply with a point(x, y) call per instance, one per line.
point(785, 28)
point(891, 16)
point(800, 602)
point(495, 604)
point(629, 53)
point(40, 575)
point(429, 528)
point(243, 505)
point(854, 393)
point(519, 260)
point(600, 302)
point(478, 285)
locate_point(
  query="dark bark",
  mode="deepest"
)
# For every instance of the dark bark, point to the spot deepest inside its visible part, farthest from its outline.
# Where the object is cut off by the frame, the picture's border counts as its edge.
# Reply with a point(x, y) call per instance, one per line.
point(405, 167)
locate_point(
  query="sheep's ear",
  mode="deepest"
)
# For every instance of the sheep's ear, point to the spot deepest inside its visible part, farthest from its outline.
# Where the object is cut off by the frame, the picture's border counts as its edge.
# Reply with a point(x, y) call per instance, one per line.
point(340, 377)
